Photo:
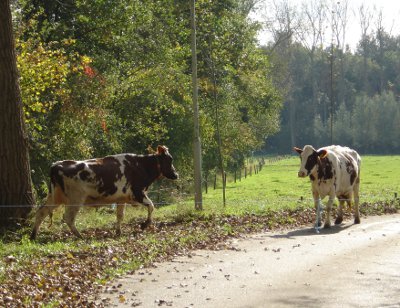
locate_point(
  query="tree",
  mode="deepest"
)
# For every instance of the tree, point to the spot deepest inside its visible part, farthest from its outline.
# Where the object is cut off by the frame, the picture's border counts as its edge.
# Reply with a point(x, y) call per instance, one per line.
point(365, 17)
point(16, 198)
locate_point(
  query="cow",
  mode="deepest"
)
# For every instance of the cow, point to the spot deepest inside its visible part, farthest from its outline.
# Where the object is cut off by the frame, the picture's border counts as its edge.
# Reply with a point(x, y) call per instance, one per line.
point(333, 171)
point(117, 179)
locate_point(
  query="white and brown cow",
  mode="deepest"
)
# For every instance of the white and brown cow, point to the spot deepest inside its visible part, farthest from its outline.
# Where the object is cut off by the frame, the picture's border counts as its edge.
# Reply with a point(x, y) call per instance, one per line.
point(117, 179)
point(333, 171)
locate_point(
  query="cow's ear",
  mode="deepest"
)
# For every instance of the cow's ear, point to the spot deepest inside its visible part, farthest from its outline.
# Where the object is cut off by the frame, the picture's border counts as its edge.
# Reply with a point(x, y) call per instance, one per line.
point(297, 150)
point(161, 149)
point(322, 153)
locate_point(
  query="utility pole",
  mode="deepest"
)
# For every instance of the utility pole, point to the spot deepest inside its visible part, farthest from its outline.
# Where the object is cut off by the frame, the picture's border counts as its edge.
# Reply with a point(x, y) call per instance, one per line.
point(332, 75)
point(198, 198)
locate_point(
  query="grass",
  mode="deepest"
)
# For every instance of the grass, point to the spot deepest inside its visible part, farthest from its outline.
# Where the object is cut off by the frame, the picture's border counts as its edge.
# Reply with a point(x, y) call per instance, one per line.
point(278, 186)
point(35, 272)
point(275, 187)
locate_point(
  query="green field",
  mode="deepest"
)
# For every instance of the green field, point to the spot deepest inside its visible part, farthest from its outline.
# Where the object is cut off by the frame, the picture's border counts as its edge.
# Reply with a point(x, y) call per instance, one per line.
point(277, 186)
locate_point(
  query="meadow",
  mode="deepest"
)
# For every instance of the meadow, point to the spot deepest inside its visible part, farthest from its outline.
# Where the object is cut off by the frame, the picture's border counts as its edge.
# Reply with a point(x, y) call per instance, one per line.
point(43, 273)
point(277, 186)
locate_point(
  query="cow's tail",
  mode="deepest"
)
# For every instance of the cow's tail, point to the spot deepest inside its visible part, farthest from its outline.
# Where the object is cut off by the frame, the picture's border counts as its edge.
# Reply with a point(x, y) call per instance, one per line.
point(50, 201)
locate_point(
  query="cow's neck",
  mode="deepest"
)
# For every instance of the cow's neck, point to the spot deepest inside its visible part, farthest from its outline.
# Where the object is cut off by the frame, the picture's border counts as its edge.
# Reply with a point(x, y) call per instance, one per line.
point(152, 167)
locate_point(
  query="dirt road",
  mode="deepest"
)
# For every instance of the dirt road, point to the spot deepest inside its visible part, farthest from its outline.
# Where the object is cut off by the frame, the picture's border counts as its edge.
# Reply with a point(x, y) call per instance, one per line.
point(346, 266)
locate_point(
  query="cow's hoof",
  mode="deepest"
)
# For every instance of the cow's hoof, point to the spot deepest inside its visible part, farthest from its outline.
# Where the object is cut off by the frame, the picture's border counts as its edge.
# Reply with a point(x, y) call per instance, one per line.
point(118, 232)
point(145, 225)
point(338, 220)
point(327, 226)
point(357, 220)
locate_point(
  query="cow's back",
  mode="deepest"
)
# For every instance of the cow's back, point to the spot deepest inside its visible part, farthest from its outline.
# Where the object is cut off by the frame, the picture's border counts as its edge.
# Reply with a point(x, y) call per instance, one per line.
point(101, 177)
point(346, 163)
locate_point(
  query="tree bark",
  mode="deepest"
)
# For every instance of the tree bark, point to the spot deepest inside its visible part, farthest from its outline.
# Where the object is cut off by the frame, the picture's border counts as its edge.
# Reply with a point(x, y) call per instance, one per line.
point(16, 198)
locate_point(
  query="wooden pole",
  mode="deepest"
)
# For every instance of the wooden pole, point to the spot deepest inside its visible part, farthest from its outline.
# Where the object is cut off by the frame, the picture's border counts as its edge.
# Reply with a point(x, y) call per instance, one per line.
point(198, 198)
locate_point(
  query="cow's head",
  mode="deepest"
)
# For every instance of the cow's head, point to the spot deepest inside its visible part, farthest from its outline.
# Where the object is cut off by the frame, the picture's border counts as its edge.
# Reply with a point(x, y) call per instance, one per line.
point(309, 159)
point(165, 160)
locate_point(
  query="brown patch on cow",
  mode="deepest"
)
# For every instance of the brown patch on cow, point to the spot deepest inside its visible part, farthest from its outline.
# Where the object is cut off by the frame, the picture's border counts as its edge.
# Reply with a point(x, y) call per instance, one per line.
point(351, 171)
point(106, 174)
point(312, 160)
point(72, 170)
point(325, 169)
point(350, 168)
point(312, 178)
point(140, 172)
point(84, 175)
point(353, 176)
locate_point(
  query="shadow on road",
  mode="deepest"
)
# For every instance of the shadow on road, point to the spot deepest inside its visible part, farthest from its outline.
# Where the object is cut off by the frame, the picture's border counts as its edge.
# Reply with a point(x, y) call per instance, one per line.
point(312, 232)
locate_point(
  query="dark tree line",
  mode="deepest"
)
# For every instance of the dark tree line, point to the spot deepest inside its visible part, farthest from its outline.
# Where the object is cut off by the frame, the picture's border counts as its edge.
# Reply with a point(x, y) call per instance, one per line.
point(330, 91)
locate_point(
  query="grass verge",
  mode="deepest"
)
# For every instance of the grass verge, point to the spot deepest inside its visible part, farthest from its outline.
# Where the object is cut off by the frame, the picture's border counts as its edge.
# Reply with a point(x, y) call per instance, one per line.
point(58, 271)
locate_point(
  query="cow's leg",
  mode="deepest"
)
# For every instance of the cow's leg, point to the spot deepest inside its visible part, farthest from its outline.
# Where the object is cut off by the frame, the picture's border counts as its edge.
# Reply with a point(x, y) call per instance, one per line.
point(357, 201)
point(43, 211)
point(318, 213)
point(120, 218)
point(339, 218)
point(150, 208)
point(69, 216)
point(327, 223)
point(41, 214)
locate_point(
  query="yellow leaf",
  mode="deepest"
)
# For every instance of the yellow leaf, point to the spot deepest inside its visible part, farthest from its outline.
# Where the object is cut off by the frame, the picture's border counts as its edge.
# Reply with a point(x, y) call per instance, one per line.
point(122, 299)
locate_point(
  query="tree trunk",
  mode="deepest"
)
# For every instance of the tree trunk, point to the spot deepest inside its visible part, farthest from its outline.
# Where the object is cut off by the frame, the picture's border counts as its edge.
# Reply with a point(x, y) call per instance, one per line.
point(16, 198)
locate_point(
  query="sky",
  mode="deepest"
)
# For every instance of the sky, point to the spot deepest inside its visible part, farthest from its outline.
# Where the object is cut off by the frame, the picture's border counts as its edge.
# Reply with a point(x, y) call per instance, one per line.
point(390, 12)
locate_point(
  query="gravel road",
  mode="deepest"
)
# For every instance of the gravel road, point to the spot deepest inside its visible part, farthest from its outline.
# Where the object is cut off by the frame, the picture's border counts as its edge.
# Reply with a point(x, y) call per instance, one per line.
point(345, 266)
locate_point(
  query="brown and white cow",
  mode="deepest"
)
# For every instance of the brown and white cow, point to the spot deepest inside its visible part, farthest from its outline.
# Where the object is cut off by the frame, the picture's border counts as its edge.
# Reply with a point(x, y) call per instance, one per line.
point(117, 179)
point(333, 171)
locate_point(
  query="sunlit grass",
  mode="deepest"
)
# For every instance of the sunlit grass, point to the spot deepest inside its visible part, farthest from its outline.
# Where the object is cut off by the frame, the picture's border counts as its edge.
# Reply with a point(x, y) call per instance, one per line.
point(275, 186)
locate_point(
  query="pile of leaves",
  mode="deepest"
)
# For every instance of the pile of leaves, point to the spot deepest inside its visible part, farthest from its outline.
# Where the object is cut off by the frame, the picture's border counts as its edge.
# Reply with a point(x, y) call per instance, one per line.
point(73, 278)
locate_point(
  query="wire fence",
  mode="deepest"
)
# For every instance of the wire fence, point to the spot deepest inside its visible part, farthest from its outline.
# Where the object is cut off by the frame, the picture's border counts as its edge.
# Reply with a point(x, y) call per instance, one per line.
point(169, 194)
point(186, 198)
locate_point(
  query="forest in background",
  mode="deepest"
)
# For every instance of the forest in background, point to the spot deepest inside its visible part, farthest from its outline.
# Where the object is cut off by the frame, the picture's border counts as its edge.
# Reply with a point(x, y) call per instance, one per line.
point(103, 77)
point(332, 94)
